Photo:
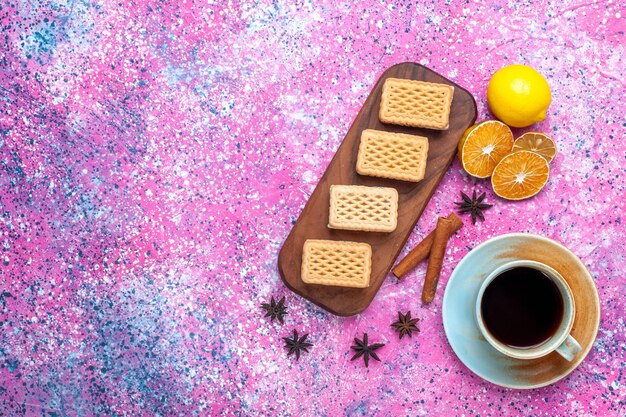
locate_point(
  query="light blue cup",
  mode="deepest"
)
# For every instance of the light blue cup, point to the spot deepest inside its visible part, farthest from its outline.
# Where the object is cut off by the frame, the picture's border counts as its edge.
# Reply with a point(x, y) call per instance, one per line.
point(561, 341)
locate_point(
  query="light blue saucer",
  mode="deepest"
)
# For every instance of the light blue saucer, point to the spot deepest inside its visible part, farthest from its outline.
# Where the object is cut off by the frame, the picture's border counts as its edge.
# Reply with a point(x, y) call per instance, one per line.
point(460, 298)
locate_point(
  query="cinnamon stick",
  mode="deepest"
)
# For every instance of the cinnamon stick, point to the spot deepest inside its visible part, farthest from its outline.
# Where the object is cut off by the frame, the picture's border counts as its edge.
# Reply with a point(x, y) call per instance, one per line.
point(422, 250)
point(442, 233)
point(413, 258)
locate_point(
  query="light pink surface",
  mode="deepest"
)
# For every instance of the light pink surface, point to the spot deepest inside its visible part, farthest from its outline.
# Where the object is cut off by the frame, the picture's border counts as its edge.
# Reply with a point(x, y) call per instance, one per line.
point(154, 156)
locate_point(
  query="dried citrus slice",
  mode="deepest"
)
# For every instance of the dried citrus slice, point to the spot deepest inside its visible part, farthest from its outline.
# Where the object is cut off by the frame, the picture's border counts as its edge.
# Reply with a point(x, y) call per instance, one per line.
point(536, 142)
point(520, 175)
point(483, 146)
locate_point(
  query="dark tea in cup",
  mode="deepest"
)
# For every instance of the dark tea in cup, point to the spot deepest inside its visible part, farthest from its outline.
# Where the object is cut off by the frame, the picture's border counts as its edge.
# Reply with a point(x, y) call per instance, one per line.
point(522, 307)
point(525, 309)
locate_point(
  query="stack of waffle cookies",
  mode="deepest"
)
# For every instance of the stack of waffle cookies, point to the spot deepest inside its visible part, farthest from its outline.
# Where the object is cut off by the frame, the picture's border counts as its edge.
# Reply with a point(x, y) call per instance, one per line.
point(397, 156)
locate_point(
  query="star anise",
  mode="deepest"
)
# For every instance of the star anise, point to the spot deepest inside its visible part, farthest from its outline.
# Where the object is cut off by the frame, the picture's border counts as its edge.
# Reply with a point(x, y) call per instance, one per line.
point(405, 325)
point(366, 350)
point(474, 206)
point(275, 310)
point(297, 344)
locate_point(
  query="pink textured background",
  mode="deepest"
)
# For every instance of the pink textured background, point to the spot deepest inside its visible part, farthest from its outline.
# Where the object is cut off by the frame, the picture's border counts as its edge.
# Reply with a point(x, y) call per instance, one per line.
point(154, 155)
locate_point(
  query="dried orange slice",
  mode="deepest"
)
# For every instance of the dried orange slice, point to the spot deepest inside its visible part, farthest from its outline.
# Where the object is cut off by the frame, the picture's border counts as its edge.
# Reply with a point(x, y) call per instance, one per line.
point(483, 146)
point(520, 175)
point(536, 142)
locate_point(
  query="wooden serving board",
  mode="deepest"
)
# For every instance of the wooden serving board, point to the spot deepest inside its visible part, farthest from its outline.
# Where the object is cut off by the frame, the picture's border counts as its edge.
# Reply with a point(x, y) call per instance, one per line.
point(413, 197)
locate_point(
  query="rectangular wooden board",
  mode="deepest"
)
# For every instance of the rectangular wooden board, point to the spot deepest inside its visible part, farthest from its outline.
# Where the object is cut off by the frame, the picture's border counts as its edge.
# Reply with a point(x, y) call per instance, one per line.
point(413, 197)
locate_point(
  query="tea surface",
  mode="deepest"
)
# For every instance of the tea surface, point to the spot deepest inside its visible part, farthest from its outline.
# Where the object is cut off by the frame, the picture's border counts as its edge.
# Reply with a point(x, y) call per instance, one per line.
point(522, 307)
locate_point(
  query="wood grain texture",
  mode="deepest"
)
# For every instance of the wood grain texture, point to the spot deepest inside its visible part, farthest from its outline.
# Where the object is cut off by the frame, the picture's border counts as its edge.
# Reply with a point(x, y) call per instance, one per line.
point(413, 197)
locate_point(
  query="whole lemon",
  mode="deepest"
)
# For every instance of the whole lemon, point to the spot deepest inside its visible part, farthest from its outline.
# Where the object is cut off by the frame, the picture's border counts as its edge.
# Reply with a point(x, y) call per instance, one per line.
point(518, 95)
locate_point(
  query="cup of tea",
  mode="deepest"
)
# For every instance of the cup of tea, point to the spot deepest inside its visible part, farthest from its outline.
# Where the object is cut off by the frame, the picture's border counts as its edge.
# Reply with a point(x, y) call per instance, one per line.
point(525, 310)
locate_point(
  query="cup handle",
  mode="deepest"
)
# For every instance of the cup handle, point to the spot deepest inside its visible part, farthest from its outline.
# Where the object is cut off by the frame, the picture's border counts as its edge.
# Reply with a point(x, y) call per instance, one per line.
point(569, 348)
